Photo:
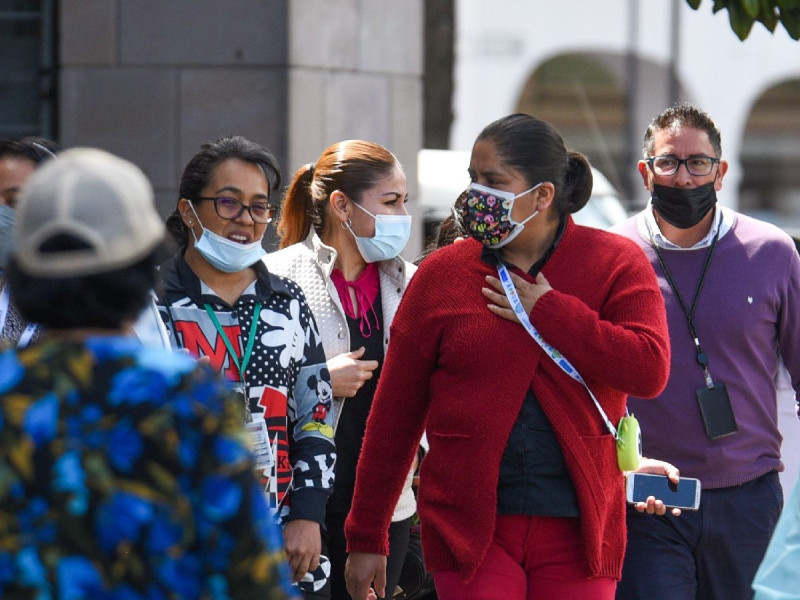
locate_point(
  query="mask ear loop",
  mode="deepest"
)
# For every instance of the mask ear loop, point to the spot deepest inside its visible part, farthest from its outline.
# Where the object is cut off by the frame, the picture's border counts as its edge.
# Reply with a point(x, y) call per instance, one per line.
point(196, 216)
point(536, 212)
point(528, 218)
point(364, 209)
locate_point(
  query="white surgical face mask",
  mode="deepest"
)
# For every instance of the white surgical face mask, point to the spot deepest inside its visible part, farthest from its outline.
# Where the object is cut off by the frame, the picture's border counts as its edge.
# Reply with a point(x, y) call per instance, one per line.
point(391, 236)
point(223, 254)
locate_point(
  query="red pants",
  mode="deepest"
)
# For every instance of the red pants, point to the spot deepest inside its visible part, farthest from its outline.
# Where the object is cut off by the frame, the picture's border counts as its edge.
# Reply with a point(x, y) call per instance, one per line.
point(530, 558)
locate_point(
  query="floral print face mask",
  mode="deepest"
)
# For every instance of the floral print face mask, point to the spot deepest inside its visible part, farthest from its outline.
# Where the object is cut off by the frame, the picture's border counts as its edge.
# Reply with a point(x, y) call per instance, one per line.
point(485, 214)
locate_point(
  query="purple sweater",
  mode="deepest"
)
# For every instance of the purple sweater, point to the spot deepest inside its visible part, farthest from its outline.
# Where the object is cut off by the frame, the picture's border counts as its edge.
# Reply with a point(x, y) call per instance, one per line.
point(748, 312)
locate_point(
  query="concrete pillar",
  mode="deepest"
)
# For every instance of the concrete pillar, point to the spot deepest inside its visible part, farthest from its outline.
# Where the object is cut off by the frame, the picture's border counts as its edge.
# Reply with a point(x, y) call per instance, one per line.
point(355, 72)
point(151, 80)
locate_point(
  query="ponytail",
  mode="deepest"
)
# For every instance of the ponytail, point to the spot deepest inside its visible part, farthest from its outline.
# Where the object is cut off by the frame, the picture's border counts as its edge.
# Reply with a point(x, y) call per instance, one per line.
point(298, 212)
point(577, 184)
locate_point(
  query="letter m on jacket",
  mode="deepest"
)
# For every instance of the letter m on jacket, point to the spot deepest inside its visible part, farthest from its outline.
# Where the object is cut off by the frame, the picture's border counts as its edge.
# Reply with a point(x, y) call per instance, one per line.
point(196, 342)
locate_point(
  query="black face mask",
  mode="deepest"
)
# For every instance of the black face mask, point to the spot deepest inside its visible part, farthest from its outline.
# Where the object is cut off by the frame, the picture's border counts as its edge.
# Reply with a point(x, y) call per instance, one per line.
point(683, 207)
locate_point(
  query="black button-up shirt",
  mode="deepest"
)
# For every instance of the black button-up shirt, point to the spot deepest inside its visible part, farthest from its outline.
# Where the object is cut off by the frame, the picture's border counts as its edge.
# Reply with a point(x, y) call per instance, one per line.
point(533, 474)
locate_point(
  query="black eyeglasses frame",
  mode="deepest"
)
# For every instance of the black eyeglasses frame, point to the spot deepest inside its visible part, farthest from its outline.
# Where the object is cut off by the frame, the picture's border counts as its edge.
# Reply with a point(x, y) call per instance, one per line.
point(682, 161)
point(271, 209)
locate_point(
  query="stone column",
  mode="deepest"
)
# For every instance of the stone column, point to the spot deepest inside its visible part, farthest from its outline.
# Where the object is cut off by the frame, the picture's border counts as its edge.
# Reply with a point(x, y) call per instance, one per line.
point(355, 72)
point(151, 80)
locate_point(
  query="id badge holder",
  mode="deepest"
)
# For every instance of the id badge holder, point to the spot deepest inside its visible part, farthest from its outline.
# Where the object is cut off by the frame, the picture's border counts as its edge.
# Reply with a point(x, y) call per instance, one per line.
point(259, 444)
point(717, 412)
point(241, 392)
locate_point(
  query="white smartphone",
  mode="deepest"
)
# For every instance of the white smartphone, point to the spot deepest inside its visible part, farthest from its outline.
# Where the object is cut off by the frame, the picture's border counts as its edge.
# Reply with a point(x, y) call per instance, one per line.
point(684, 495)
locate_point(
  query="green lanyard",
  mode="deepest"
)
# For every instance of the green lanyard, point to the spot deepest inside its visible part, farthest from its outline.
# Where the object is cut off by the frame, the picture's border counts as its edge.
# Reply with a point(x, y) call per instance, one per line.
point(250, 341)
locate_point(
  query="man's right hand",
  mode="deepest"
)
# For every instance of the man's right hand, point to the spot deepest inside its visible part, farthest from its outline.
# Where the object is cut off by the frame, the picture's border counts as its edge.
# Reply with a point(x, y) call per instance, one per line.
point(361, 570)
point(348, 373)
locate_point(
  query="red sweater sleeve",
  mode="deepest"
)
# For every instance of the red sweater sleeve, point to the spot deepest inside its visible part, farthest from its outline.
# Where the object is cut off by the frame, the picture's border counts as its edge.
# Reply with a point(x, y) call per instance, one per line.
point(623, 342)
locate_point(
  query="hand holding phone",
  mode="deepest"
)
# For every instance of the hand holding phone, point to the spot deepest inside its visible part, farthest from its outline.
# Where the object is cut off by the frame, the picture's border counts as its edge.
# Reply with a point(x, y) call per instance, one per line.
point(654, 506)
point(684, 495)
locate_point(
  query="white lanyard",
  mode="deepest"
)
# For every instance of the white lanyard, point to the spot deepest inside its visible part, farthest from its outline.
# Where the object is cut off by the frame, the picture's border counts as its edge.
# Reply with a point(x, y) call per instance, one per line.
point(558, 358)
point(29, 331)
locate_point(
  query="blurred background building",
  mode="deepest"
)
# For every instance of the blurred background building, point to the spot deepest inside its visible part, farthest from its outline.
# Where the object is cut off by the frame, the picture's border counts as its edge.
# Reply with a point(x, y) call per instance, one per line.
point(152, 79)
point(600, 71)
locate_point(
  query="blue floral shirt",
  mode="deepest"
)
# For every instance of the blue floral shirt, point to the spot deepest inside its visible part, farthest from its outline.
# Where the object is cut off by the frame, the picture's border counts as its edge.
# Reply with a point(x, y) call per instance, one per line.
point(124, 474)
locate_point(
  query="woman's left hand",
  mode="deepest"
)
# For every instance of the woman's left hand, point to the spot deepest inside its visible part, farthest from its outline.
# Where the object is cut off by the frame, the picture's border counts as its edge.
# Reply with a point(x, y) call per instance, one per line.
point(655, 506)
point(528, 292)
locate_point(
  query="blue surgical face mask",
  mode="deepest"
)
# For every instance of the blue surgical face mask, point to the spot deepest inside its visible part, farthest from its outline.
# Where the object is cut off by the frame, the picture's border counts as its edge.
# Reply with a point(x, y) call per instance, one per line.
point(223, 254)
point(391, 236)
point(6, 234)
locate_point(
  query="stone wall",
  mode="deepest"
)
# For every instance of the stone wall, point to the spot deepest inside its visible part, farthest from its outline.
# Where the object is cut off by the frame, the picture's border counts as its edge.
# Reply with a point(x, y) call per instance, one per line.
point(355, 72)
point(151, 80)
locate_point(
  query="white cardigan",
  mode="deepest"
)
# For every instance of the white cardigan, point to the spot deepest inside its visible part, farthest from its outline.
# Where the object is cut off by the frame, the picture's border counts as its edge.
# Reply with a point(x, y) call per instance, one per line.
point(309, 263)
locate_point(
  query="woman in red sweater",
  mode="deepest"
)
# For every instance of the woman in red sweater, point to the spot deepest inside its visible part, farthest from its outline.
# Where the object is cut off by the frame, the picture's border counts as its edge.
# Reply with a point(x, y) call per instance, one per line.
point(520, 494)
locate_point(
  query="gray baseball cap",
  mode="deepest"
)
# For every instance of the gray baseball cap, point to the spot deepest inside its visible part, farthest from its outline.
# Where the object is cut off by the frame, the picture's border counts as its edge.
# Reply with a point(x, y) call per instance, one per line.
point(102, 200)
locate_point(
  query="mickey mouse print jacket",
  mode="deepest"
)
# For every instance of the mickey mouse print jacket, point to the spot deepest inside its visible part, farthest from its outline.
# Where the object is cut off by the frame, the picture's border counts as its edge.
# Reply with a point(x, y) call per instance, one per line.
point(286, 382)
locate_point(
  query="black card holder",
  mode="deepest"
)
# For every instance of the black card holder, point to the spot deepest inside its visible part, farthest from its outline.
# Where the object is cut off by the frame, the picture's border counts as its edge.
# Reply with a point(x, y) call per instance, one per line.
point(715, 406)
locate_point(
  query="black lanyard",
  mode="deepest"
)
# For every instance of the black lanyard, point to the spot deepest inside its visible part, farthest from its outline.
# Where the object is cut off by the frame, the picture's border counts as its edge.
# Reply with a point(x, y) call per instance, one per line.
point(702, 357)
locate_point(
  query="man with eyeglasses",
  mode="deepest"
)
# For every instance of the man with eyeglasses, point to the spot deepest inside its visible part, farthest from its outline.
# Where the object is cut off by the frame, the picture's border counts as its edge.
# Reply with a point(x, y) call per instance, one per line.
point(731, 286)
